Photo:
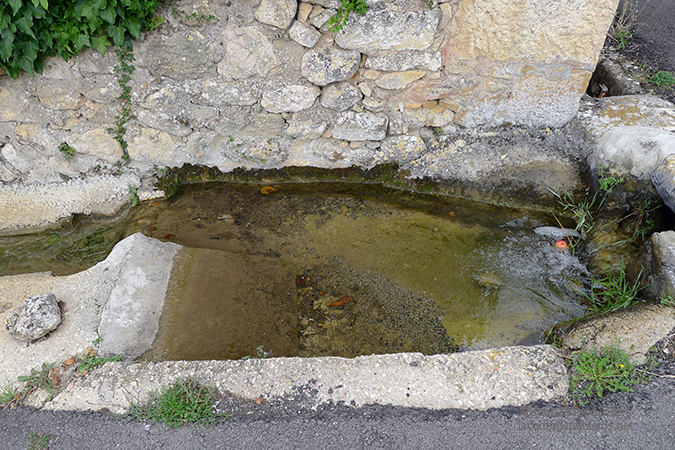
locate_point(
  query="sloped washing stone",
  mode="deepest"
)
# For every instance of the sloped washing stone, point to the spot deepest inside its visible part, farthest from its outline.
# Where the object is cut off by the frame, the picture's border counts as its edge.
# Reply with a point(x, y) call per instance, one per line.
point(38, 315)
point(329, 64)
point(353, 126)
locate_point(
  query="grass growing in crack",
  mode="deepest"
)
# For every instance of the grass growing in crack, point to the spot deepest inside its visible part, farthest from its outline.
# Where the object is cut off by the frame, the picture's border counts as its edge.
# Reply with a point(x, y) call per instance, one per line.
point(612, 292)
point(8, 394)
point(183, 402)
point(668, 300)
point(38, 441)
point(595, 372)
point(91, 361)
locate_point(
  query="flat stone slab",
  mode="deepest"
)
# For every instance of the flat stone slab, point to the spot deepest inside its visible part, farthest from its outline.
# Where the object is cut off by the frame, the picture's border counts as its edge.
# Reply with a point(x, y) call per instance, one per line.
point(470, 380)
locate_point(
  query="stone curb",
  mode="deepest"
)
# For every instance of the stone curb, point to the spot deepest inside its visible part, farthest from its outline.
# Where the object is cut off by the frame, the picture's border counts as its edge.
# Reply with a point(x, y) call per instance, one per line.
point(469, 380)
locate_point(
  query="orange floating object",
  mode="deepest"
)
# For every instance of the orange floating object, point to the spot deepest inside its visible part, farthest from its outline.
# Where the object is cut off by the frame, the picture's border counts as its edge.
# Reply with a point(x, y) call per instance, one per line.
point(561, 243)
point(267, 190)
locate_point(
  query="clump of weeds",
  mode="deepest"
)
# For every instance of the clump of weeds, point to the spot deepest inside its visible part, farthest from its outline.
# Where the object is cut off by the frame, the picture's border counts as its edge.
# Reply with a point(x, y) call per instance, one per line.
point(185, 401)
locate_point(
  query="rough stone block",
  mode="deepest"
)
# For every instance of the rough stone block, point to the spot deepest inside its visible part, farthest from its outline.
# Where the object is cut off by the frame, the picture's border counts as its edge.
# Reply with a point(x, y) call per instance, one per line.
point(38, 316)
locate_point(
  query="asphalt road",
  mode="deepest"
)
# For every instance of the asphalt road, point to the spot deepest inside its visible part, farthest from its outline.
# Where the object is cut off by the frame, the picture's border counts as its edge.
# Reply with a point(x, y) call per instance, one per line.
point(642, 419)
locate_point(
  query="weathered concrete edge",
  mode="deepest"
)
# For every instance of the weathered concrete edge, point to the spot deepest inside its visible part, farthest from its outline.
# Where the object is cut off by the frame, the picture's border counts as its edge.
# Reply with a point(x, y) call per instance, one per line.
point(30, 207)
point(466, 380)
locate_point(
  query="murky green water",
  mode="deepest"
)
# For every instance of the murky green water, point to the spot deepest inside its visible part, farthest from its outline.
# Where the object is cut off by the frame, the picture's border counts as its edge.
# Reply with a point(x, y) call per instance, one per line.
point(379, 270)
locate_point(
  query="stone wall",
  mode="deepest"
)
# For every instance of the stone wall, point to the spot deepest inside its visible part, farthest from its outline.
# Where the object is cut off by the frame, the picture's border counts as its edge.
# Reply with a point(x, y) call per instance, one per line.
point(263, 83)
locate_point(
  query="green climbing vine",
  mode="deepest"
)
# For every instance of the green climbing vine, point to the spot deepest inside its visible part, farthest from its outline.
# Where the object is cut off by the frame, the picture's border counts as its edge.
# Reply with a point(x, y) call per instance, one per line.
point(124, 70)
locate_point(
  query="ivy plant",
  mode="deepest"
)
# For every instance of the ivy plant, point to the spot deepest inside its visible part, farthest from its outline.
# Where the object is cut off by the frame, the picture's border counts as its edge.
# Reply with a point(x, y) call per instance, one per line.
point(31, 30)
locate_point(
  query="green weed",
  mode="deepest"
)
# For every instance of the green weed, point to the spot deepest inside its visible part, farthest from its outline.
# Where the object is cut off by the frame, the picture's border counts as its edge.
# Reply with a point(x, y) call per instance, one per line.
point(133, 195)
point(259, 353)
point(668, 300)
point(595, 372)
point(183, 402)
point(663, 78)
point(67, 150)
point(338, 20)
point(39, 379)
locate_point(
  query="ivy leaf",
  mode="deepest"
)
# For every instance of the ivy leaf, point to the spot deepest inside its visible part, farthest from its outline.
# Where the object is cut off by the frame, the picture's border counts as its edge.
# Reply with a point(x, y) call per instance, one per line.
point(44, 4)
point(133, 26)
point(108, 15)
point(16, 6)
point(25, 24)
point(6, 44)
point(117, 34)
point(99, 43)
point(26, 64)
point(30, 50)
point(81, 42)
point(99, 4)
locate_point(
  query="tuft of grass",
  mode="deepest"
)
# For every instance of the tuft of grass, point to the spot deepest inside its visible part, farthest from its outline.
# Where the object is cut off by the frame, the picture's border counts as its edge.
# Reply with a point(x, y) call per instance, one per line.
point(181, 403)
point(668, 300)
point(595, 372)
point(663, 78)
point(38, 441)
point(625, 20)
point(613, 292)
point(91, 361)
point(8, 394)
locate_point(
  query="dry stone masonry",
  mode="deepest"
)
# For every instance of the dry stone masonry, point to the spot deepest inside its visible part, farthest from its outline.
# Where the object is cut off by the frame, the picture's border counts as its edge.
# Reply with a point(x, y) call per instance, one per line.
point(264, 83)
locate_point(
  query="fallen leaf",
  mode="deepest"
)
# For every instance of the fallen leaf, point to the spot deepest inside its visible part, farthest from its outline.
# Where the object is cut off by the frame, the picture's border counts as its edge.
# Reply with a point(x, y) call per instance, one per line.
point(267, 190)
point(54, 376)
point(169, 237)
point(199, 225)
point(67, 363)
point(343, 301)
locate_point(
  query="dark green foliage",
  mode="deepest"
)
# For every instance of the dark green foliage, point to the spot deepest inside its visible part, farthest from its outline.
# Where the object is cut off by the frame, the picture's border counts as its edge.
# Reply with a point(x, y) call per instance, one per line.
point(31, 30)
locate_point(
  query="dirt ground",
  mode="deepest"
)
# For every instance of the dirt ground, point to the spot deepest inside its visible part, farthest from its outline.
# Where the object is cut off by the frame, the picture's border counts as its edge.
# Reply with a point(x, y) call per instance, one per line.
point(650, 43)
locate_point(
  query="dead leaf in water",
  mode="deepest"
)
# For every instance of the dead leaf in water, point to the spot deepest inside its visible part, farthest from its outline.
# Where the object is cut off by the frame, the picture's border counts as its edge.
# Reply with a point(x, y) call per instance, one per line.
point(267, 190)
point(342, 302)
point(169, 236)
point(199, 225)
